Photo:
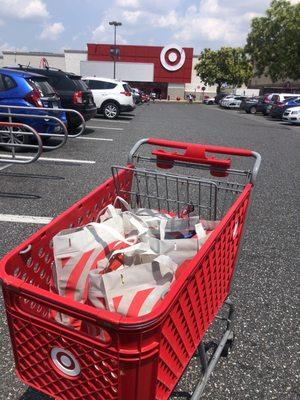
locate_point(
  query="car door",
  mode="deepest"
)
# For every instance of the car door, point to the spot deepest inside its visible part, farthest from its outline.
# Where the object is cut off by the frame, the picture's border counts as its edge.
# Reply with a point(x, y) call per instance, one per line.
point(10, 92)
point(98, 89)
point(6, 86)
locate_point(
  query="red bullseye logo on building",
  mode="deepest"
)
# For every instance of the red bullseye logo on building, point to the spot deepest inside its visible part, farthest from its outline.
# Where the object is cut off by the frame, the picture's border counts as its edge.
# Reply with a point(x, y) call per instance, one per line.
point(65, 361)
point(172, 57)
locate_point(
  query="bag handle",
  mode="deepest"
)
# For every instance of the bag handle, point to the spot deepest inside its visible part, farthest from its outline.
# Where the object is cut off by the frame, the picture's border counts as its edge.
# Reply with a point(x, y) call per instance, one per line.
point(92, 230)
point(135, 220)
point(113, 209)
point(123, 202)
point(137, 248)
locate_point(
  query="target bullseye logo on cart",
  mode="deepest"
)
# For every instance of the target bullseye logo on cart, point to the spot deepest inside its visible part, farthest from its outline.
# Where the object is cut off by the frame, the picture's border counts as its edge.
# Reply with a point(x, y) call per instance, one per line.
point(65, 361)
point(172, 57)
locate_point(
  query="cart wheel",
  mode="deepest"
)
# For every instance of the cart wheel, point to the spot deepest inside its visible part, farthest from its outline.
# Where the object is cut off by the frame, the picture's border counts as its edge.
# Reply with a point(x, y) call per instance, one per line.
point(228, 346)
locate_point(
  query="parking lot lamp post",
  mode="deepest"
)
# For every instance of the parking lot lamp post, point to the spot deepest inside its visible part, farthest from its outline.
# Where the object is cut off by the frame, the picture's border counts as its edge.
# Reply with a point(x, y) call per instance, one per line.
point(115, 50)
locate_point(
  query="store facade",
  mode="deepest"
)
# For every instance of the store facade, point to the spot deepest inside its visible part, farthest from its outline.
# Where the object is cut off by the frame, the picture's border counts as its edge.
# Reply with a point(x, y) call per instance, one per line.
point(163, 70)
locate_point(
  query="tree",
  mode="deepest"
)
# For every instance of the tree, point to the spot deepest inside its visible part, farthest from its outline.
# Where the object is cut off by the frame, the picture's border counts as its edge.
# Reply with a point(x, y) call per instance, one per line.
point(274, 41)
point(227, 65)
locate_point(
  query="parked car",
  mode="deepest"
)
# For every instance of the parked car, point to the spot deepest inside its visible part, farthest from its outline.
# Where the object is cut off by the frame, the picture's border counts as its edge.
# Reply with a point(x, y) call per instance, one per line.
point(136, 95)
point(27, 89)
point(219, 97)
point(252, 105)
point(232, 102)
point(112, 97)
point(280, 97)
point(279, 108)
point(225, 99)
point(261, 104)
point(73, 92)
point(272, 98)
point(292, 115)
point(209, 100)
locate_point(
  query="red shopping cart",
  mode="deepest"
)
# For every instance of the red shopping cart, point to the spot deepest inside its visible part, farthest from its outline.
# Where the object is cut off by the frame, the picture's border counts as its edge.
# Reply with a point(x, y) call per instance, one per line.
point(137, 358)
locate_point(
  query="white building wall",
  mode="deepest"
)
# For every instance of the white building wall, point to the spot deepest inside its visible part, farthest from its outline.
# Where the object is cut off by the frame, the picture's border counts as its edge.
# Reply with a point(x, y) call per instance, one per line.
point(126, 71)
point(73, 59)
point(11, 59)
point(196, 83)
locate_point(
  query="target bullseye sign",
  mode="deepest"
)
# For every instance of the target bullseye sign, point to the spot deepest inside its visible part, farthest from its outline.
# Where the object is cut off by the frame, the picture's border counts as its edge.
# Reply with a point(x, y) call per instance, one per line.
point(172, 57)
point(65, 362)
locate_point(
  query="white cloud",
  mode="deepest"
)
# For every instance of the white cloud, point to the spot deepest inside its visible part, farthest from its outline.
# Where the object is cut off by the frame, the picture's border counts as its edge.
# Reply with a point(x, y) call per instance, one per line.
point(4, 46)
point(104, 34)
point(210, 6)
point(169, 20)
point(98, 32)
point(52, 31)
point(128, 3)
point(131, 16)
point(23, 9)
point(197, 23)
point(216, 23)
point(248, 16)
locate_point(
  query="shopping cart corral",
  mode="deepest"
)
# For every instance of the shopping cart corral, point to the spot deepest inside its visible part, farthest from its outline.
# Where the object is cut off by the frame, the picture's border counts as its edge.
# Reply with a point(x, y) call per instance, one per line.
point(137, 358)
point(11, 143)
point(14, 138)
point(14, 132)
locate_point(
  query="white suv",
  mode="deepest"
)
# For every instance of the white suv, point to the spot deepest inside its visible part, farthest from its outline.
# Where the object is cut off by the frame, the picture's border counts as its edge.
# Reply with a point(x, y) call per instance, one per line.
point(112, 97)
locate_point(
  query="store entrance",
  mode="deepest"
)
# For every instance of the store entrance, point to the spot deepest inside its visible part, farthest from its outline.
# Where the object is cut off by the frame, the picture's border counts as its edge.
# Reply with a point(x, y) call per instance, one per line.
point(161, 89)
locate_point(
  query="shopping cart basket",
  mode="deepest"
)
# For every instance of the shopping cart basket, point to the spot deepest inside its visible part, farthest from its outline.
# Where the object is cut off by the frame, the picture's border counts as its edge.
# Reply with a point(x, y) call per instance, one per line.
point(137, 358)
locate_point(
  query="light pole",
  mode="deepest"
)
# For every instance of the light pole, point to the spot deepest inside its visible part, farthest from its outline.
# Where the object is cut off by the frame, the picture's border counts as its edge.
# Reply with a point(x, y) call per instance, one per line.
point(115, 51)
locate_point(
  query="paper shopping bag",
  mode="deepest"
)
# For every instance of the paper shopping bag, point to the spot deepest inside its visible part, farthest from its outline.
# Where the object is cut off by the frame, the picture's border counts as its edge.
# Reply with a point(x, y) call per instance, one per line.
point(77, 252)
point(133, 291)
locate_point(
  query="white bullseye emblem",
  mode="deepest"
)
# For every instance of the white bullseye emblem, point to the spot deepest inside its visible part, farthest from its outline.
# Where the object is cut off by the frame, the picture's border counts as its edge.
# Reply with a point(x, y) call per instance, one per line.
point(65, 361)
point(170, 55)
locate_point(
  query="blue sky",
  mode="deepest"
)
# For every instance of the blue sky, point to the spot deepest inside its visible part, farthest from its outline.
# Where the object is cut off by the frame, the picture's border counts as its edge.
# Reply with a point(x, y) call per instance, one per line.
point(54, 25)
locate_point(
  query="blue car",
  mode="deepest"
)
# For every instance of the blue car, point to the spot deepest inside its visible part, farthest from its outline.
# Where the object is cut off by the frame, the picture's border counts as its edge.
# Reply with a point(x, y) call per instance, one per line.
point(18, 88)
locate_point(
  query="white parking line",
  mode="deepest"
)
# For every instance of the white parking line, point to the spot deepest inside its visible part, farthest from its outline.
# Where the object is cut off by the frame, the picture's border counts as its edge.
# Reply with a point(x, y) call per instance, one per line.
point(5, 166)
point(111, 120)
point(105, 127)
point(24, 219)
point(95, 138)
point(66, 160)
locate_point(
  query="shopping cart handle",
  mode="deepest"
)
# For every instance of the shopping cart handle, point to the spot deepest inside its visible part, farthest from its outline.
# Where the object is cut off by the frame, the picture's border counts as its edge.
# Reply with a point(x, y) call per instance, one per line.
point(196, 153)
point(200, 149)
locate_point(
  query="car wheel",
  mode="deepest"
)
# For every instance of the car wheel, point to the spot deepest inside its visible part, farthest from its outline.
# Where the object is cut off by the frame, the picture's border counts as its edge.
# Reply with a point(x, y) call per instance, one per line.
point(111, 110)
point(18, 137)
point(252, 110)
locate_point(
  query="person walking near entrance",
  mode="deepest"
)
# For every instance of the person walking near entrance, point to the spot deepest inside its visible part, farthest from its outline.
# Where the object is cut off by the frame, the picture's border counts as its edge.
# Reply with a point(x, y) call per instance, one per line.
point(153, 96)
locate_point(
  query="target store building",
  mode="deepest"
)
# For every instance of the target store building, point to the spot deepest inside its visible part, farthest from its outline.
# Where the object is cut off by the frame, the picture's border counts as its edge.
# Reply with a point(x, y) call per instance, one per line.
point(164, 70)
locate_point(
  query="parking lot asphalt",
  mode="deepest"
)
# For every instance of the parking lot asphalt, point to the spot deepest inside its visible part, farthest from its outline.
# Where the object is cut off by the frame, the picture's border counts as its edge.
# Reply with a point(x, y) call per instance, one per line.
point(262, 363)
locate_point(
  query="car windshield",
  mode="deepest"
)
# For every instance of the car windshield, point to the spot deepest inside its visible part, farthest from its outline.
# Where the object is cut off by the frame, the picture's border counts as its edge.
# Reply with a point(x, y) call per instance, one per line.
point(42, 85)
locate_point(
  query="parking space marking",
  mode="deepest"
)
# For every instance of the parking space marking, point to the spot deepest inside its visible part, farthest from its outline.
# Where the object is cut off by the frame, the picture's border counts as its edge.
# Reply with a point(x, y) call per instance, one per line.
point(25, 219)
point(5, 166)
point(94, 138)
point(105, 127)
point(66, 160)
point(111, 120)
